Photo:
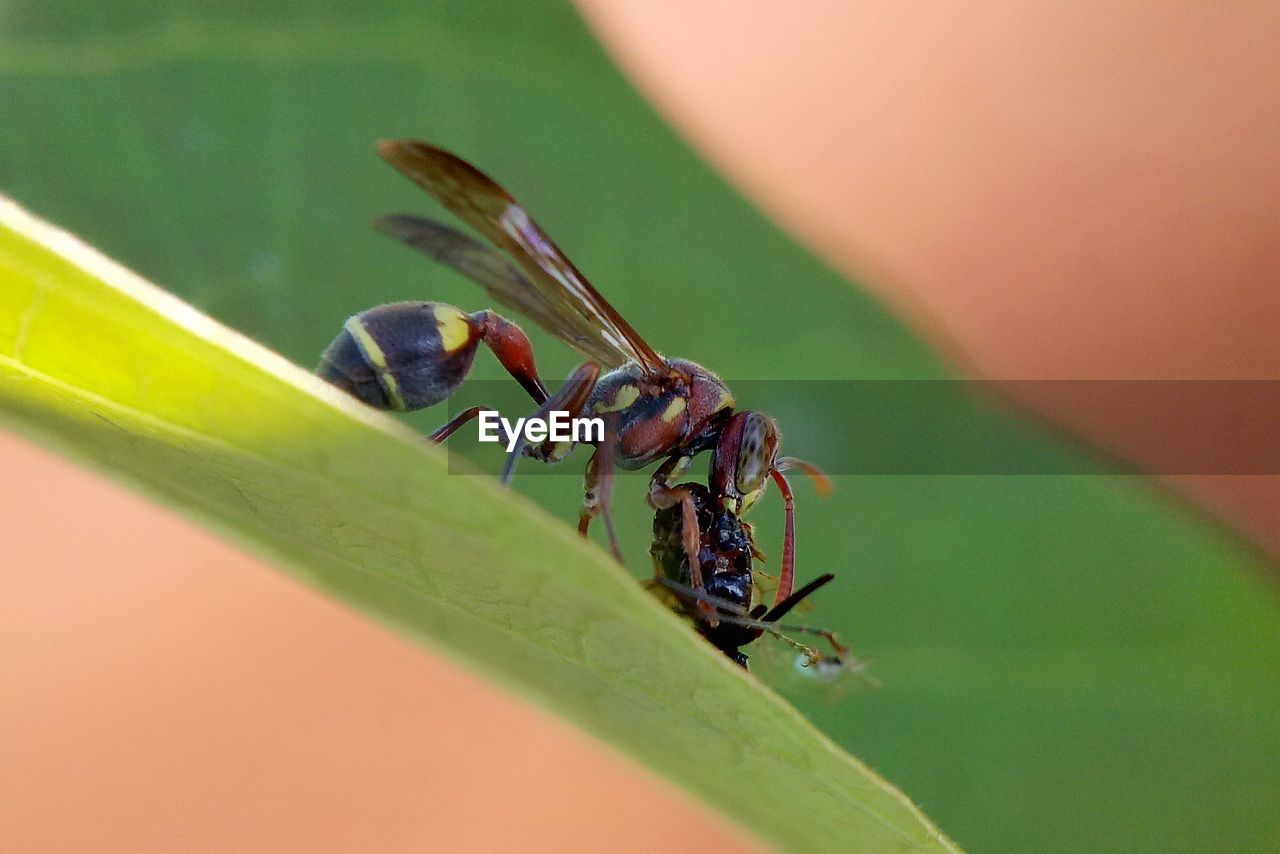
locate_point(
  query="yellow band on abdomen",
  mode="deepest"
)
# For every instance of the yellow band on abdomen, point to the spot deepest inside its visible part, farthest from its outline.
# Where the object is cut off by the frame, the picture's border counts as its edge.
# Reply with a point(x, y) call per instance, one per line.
point(373, 354)
point(454, 327)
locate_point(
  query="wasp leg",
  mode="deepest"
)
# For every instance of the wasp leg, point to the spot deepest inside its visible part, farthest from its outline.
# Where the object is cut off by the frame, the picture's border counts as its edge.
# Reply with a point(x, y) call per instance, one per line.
point(457, 422)
point(590, 484)
point(572, 398)
point(598, 490)
point(662, 496)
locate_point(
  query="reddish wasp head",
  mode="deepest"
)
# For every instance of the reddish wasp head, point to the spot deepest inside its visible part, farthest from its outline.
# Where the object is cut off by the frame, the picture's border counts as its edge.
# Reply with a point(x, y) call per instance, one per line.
point(746, 453)
point(746, 457)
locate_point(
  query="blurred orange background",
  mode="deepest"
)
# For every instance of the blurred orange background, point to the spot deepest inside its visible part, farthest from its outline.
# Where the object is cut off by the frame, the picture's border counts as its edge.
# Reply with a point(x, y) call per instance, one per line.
point(1079, 191)
point(167, 693)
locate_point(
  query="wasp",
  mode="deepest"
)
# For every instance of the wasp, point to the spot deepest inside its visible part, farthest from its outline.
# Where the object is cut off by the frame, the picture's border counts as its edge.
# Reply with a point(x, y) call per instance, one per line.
point(723, 610)
point(410, 355)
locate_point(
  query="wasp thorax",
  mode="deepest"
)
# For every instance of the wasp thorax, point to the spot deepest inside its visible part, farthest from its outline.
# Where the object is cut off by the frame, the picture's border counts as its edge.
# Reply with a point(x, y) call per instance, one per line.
point(405, 356)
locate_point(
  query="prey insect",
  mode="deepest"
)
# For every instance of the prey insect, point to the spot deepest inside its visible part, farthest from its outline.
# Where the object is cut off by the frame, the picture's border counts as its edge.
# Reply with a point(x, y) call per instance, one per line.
point(656, 409)
point(723, 610)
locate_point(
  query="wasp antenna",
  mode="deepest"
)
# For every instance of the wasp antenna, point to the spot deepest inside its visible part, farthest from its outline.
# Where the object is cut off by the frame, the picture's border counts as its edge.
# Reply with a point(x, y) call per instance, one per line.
point(787, 574)
point(821, 482)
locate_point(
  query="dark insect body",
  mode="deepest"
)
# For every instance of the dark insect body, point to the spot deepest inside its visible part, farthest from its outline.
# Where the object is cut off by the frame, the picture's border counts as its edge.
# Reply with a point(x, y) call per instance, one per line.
point(407, 356)
point(723, 612)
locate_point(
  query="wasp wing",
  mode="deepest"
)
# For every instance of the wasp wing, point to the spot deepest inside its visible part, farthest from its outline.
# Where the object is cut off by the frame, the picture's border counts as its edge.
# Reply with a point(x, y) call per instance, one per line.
point(487, 268)
point(568, 306)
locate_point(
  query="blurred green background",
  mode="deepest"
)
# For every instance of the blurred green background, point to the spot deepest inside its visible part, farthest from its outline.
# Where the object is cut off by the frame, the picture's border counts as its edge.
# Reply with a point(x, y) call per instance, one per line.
point(1068, 663)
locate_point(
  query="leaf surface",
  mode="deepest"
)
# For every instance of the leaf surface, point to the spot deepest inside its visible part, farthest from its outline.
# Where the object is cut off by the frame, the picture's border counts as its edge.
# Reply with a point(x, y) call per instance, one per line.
point(105, 365)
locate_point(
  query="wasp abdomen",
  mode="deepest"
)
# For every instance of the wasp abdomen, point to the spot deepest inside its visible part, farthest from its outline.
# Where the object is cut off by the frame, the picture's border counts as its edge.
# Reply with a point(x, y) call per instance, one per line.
point(403, 356)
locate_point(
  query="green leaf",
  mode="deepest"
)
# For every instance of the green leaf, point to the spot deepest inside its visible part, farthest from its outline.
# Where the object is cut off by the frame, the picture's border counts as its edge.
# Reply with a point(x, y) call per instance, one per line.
point(117, 372)
point(1069, 663)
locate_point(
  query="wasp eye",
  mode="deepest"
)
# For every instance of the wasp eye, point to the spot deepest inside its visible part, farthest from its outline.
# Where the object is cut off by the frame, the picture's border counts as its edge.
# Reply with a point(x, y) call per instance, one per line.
point(756, 452)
